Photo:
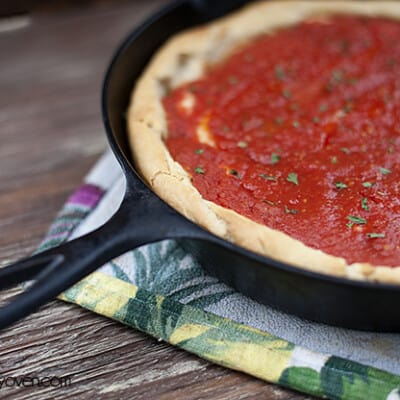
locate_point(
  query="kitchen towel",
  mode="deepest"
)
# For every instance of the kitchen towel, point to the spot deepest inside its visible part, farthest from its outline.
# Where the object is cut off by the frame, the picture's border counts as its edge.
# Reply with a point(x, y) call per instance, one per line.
point(163, 291)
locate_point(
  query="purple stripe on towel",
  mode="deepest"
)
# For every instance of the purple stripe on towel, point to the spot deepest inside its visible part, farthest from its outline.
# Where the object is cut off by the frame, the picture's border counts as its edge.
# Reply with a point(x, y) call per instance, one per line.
point(75, 210)
point(87, 195)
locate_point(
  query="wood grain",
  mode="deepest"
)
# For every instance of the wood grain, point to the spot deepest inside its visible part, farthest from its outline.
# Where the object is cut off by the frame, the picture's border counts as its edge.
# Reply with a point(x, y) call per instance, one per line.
point(50, 135)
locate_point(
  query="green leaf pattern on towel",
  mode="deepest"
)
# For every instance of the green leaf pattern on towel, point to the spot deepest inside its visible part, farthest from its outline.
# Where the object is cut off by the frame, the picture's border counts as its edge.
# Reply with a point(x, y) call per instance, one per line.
point(231, 344)
point(165, 268)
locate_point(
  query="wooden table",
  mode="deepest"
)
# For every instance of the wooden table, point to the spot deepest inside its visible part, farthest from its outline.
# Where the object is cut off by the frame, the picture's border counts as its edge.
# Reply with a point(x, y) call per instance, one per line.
point(51, 71)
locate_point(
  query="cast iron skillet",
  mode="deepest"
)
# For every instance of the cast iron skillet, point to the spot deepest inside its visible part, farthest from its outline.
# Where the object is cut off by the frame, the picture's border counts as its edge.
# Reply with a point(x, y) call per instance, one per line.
point(144, 218)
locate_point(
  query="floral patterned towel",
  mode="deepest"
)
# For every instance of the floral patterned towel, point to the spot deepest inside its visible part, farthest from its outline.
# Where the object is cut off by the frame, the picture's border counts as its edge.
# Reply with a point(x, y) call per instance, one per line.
point(161, 290)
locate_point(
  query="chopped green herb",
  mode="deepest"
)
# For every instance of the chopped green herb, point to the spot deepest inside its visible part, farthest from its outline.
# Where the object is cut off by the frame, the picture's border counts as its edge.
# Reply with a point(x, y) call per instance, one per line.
point(385, 171)
point(345, 150)
point(334, 160)
point(316, 120)
point(233, 80)
point(392, 62)
point(340, 185)
point(296, 124)
point(275, 158)
point(199, 170)
point(352, 81)
point(364, 204)
point(348, 107)
point(323, 107)
point(199, 151)
point(387, 98)
point(242, 144)
point(290, 211)
point(356, 220)
point(367, 43)
point(374, 235)
point(279, 121)
point(193, 89)
point(271, 203)
point(344, 46)
point(235, 173)
point(292, 178)
point(286, 93)
point(268, 177)
point(337, 75)
point(367, 184)
point(329, 87)
point(280, 72)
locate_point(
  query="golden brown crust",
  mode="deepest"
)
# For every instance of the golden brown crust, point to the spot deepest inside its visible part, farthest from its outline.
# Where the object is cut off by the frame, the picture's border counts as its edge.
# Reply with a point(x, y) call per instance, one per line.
point(184, 58)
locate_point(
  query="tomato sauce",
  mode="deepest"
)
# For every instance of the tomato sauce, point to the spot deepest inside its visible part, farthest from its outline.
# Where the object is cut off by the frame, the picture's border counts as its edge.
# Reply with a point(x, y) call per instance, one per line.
point(299, 131)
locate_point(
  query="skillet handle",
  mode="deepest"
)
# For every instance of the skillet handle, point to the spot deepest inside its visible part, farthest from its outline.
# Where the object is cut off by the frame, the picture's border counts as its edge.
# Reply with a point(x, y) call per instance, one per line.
point(142, 218)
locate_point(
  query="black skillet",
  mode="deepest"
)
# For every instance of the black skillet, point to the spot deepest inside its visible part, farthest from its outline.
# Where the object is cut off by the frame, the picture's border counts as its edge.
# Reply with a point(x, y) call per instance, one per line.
point(144, 218)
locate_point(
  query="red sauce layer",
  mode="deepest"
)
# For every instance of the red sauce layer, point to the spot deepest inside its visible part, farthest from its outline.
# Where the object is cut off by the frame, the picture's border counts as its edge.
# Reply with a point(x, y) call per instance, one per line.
point(303, 135)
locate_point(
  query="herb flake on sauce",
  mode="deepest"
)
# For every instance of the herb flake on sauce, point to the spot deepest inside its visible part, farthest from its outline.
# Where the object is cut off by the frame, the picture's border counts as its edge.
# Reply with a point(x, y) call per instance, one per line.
point(364, 204)
point(275, 158)
point(199, 170)
point(385, 171)
point(268, 177)
point(340, 185)
point(367, 184)
point(234, 172)
point(356, 220)
point(292, 211)
point(374, 235)
point(293, 178)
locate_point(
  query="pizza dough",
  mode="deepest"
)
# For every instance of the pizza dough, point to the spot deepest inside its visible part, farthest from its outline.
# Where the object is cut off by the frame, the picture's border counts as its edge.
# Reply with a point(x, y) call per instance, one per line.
point(185, 58)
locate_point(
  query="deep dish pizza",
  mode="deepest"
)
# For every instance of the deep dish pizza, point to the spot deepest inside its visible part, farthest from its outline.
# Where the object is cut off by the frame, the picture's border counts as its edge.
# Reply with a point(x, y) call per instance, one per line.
point(277, 128)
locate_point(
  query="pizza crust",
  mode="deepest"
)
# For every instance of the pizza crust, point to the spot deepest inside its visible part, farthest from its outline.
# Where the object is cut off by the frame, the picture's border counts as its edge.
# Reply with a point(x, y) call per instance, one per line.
point(184, 58)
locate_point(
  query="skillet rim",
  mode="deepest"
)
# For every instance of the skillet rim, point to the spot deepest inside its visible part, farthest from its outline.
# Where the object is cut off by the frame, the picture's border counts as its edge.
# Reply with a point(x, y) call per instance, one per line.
point(132, 175)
